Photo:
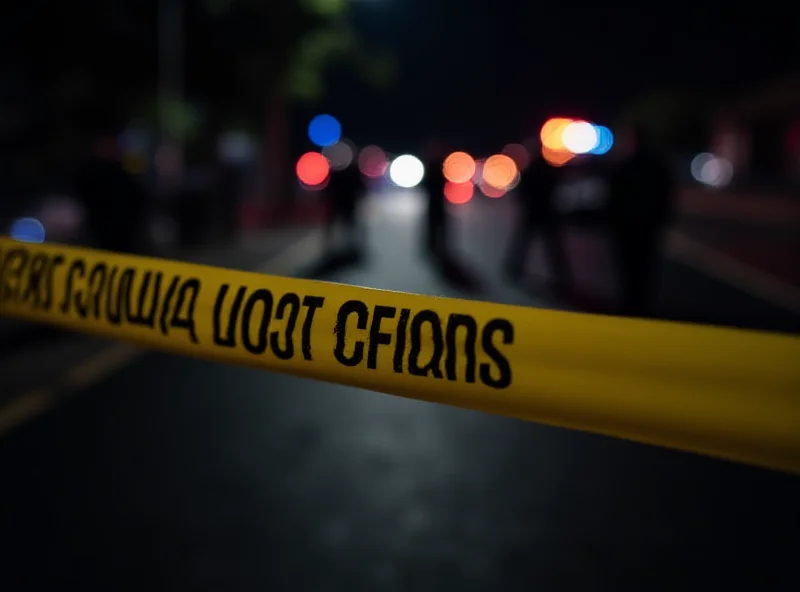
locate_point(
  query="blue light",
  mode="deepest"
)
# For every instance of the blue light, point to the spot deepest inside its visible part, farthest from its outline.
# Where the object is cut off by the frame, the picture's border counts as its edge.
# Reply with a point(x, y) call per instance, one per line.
point(27, 230)
point(324, 130)
point(605, 140)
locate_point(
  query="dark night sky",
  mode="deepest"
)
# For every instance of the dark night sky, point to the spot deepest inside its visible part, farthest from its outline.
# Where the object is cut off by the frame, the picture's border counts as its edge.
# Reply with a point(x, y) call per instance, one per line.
point(484, 72)
point(481, 72)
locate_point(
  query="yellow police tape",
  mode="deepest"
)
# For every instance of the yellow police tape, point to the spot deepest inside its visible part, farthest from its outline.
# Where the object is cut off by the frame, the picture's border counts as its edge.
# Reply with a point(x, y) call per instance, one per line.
point(723, 392)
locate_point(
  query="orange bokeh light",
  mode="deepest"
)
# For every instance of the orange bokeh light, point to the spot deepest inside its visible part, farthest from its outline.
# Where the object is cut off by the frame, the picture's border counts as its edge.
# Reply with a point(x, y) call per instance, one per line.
point(459, 167)
point(500, 171)
point(458, 193)
point(552, 131)
point(312, 169)
point(556, 157)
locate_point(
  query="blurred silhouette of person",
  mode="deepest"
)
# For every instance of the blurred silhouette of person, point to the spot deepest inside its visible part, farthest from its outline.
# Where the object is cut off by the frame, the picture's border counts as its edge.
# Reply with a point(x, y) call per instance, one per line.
point(538, 215)
point(436, 235)
point(640, 207)
point(113, 199)
point(345, 190)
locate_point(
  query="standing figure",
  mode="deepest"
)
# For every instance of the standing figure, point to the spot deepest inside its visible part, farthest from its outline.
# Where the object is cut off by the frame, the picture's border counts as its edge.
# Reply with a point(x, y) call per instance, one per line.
point(436, 235)
point(640, 209)
point(345, 191)
point(538, 215)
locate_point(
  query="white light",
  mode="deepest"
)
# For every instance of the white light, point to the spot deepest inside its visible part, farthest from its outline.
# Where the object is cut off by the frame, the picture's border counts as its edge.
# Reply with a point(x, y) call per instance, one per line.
point(717, 172)
point(406, 171)
point(698, 162)
point(712, 170)
point(580, 137)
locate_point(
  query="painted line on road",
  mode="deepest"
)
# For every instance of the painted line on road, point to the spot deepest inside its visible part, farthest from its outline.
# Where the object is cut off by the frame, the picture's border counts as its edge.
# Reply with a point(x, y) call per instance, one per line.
point(99, 366)
point(734, 272)
point(115, 357)
point(24, 408)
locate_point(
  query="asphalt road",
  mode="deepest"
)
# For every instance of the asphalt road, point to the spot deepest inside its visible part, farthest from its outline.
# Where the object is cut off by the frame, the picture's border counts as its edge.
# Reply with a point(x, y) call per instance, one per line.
point(176, 474)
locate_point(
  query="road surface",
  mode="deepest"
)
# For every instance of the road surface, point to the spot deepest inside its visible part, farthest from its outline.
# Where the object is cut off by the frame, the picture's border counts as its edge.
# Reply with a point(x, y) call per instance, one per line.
point(177, 474)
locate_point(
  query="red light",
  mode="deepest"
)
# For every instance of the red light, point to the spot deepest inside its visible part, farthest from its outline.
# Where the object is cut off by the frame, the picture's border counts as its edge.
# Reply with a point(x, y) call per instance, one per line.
point(458, 193)
point(312, 169)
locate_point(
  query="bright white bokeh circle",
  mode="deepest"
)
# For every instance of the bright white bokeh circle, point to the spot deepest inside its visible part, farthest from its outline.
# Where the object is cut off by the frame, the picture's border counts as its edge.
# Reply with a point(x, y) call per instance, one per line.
point(406, 171)
point(580, 137)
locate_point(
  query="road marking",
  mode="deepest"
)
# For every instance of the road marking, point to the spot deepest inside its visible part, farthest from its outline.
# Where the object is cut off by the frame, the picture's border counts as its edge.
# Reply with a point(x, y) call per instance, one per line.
point(24, 408)
point(100, 366)
point(732, 271)
point(116, 356)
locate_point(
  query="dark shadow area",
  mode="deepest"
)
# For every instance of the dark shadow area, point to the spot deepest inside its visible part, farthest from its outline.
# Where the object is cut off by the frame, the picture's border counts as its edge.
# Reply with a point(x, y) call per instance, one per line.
point(673, 302)
point(24, 335)
point(738, 320)
point(456, 274)
point(701, 303)
point(589, 303)
point(331, 263)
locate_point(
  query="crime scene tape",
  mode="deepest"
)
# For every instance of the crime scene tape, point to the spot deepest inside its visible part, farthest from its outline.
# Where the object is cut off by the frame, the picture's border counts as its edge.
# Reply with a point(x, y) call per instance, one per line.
point(727, 393)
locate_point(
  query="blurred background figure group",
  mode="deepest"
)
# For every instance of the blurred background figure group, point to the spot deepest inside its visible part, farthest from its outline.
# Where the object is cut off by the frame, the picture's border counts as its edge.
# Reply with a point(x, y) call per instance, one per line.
point(635, 218)
point(120, 208)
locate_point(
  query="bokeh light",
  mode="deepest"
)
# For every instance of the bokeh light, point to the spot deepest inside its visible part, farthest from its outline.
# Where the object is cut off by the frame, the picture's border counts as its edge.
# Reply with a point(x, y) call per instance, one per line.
point(579, 137)
point(340, 155)
point(406, 171)
point(319, 187)
point(697, 165)
point(28, 230)
point(134, 164)
point(519, 154)
point(236, 148)
point(312, 169)
point(324, 130)
point(458, 193)
point(493, 192)
point(605, 140)
point(477, 177)
point(552, 132)
point(556, 157)
point(712, 170)
point(514, 182)
point(134, 139)
point(372, 162)
point(499, 171)
point(459, 167)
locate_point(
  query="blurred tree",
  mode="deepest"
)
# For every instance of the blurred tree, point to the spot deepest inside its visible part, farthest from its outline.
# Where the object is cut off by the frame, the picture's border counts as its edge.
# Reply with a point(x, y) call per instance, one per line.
point(677, 119)
point(278, 52)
